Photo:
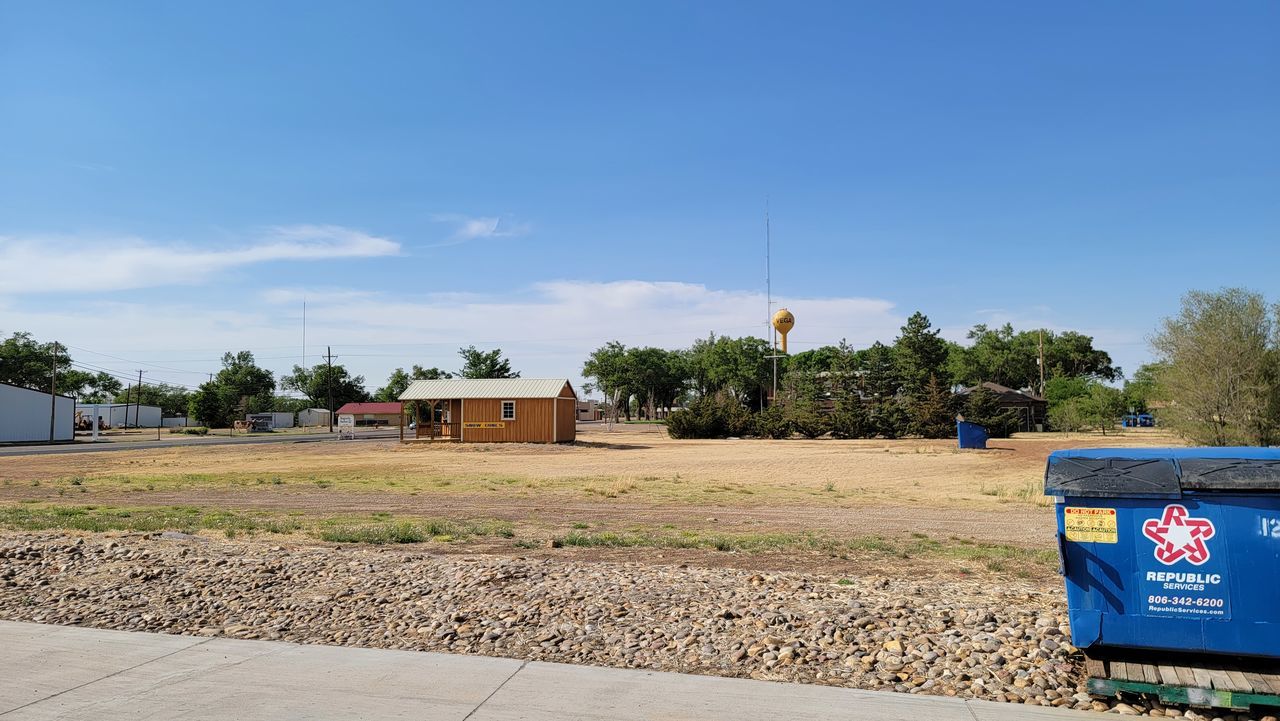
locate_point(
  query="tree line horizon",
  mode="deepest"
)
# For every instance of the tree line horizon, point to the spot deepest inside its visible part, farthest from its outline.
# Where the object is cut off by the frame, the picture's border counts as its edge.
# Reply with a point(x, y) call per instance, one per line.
point(1215, 379)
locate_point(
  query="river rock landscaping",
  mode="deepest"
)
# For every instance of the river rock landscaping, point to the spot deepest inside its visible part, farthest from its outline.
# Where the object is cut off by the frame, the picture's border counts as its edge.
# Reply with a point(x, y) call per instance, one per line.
point(1002, 641)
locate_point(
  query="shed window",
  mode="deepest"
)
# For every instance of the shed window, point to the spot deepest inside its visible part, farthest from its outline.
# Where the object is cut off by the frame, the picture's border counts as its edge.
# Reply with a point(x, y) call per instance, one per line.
point(508, 410)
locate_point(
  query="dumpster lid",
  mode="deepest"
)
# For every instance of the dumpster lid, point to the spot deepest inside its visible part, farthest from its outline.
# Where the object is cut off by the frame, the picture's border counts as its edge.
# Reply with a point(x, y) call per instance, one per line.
point(1160, 472)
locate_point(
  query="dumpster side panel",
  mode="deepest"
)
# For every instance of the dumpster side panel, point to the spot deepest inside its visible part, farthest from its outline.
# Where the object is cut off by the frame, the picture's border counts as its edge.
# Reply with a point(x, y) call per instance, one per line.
point(1200, 573)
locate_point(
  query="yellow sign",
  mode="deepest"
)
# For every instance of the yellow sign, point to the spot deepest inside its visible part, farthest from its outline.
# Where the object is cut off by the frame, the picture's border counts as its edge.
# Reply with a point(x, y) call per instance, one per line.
point(1089, 525)
point(490, 424)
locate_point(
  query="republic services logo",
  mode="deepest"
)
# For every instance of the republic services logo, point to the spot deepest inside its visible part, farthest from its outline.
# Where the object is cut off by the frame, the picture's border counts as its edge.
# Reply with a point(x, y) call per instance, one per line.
point(1178, 536)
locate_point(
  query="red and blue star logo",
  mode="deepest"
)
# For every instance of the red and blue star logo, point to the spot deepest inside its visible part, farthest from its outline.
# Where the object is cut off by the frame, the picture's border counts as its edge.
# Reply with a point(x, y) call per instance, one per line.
point(1178, 536)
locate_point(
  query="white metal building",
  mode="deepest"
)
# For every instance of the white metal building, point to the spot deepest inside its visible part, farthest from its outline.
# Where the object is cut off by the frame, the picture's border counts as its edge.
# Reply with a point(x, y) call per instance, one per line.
point(122, 415)
point(276, 420)
point(24, 415)
point(313, 417)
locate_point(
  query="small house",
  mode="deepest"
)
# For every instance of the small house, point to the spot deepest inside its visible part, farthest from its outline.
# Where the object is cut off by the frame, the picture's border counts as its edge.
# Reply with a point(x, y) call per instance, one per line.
point(492, 410)
point(1030, 408)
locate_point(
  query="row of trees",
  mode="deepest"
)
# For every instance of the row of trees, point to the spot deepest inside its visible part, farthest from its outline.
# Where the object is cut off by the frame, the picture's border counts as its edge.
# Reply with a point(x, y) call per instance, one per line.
point(241, 386)
point(916, 385)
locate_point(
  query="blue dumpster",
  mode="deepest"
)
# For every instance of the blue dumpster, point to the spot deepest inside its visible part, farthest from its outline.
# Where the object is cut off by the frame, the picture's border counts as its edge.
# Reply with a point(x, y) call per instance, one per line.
point(971, 435)
point(1172, 549)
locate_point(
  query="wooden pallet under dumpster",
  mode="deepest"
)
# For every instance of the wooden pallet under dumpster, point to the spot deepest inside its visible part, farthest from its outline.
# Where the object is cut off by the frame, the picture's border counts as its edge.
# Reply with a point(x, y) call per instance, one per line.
point(1227, 682)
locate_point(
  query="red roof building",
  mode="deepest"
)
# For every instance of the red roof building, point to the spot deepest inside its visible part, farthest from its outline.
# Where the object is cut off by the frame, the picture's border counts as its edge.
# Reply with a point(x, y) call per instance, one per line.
point(373, 414)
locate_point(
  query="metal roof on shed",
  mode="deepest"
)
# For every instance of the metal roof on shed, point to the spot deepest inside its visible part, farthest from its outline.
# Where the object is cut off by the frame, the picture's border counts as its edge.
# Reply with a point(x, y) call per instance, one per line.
point(436, 390)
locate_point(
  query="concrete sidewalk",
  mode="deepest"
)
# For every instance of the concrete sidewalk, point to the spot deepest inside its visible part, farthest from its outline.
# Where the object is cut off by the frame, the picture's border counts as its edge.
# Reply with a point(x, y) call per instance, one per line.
point(61, 672)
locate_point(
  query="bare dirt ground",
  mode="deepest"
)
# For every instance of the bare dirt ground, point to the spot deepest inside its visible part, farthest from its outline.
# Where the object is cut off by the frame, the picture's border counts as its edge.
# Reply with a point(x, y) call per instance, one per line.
point(626, 478)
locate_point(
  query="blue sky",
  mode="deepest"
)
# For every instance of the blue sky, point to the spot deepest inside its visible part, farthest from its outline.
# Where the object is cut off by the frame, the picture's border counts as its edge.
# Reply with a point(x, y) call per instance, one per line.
point(176, 177)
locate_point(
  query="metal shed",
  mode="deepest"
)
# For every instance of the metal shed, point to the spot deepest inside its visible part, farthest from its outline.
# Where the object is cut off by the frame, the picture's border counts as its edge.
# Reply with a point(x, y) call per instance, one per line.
point(24, 415)
point(492, 410)
point(313, 417)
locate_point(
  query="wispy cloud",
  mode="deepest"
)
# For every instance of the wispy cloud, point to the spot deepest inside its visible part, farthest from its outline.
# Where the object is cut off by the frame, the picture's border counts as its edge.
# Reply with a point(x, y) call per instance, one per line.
point(62, 264)
point(468, 228)
point(547, 329)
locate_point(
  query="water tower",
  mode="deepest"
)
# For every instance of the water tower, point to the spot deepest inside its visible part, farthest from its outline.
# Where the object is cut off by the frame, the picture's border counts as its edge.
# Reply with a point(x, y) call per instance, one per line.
point(783, 321)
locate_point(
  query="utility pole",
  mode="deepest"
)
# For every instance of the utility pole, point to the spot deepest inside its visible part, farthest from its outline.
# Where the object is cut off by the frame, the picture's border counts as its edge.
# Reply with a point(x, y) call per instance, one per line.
point(137, 406)
point(328, 381)
point(53, 392)
point(1042, 362)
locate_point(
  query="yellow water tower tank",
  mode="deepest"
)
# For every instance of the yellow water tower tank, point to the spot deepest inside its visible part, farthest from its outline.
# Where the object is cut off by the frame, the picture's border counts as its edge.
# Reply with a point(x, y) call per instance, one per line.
point(783, 321)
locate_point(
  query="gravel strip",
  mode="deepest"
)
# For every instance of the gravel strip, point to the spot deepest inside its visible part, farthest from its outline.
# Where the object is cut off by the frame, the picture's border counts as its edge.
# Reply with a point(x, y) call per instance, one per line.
point(969, 638)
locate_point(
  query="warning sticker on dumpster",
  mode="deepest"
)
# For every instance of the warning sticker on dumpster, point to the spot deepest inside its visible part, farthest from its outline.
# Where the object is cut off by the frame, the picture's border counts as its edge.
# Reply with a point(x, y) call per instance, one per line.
point(1182, 564)
point(1090, 525)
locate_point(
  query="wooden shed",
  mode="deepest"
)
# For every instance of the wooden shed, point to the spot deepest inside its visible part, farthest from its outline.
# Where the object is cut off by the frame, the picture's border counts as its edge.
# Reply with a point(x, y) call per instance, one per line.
point(491, 410)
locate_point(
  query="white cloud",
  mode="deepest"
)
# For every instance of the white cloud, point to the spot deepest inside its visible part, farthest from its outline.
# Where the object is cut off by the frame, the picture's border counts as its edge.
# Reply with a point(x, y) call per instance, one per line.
point(546, 330)
point(63, 264)
point(467, 228)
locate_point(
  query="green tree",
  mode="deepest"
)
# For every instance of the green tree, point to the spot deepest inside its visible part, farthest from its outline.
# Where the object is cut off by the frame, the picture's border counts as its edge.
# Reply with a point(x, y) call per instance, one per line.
point(1102, 407)
point(738, 366)
point(818, 360)
point(885, 414)
point(608, 365)
point(802, 399)
point(485, 364)
point(172, 400)
point(1000, 355)
point(921, 355)
point(240, 387)
point(849, 418)
point(1063, 388)
point(399, 381)
point(27, 363)
point(982, 407)
point(933, 411)
point(101, 389)
point(317, 382)
point(1219, 368)
point(1143, 388)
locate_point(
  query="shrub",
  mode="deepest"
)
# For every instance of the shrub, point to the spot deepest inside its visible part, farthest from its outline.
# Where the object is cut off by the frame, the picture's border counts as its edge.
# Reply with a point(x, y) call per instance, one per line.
point(717, 416)
point(772, 422)
point(191, 430)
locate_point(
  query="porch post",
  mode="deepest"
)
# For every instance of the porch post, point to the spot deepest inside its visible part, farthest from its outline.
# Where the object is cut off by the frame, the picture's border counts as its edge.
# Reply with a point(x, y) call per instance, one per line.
point(402, 421)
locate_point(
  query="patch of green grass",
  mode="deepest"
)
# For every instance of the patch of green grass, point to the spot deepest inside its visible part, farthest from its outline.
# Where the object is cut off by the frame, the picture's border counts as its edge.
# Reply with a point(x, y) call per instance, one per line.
point(410, 531)
point(581, 526)
point(150, 520)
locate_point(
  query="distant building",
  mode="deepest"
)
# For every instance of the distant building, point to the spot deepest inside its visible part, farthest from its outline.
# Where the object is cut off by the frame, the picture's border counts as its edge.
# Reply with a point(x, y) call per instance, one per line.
point(24, 415)
point(492, 410)
point(122, 415)
point(589, 411)
point(372, 414)
point(271, 420)
point(1030, 408)
point(313, 417)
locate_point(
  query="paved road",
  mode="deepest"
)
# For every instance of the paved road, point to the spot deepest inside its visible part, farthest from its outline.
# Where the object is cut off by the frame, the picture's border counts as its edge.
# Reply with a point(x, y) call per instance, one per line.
point(61, 672)
point(173, 442)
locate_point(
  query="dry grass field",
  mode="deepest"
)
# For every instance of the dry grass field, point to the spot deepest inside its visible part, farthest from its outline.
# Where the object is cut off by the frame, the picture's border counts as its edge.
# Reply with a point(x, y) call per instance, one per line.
point(630, 491)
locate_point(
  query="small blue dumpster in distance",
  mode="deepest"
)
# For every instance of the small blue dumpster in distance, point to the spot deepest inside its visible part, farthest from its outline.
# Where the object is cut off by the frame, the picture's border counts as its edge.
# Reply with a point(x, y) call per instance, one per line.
point(971, 435)
point(1170, 548)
